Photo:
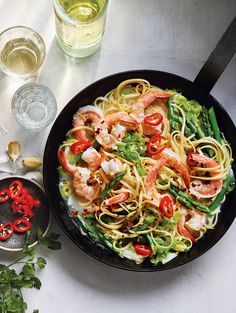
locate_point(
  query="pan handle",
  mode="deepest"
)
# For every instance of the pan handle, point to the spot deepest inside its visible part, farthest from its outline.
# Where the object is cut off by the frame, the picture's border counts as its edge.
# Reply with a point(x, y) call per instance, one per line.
point(218, 59)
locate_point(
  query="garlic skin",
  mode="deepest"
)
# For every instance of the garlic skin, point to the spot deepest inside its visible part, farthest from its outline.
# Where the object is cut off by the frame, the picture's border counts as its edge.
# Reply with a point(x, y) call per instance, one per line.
point(32, 162)
point(14, 150)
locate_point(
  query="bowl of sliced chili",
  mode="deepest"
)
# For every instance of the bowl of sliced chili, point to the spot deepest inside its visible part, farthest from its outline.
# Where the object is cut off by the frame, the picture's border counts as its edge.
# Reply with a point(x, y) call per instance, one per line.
point(23, 210)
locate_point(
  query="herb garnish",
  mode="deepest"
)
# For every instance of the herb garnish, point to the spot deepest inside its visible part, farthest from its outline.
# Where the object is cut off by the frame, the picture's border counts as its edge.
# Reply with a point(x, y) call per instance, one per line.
point(11, 282)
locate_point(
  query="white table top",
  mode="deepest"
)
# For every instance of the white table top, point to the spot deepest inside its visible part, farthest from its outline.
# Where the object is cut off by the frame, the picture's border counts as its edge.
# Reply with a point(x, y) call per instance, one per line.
point(170, 35)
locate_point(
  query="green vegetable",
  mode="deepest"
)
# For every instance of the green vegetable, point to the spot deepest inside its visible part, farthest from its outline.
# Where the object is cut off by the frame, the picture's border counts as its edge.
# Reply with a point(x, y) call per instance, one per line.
point(12, 283)
point(176, 121)
point(206, 122)
point(192, 110)
point(112, 183)
point(214, 124)
point(93, 232)
point(132, 148)
point(195, 121)
point(96, 145)
point(227, 187)
point(149, 220)
point(65, 189)
point(186, 200)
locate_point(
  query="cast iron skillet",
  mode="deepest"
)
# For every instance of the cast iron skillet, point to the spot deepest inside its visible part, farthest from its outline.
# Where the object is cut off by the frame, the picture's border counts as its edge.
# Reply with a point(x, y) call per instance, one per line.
point(199, 90)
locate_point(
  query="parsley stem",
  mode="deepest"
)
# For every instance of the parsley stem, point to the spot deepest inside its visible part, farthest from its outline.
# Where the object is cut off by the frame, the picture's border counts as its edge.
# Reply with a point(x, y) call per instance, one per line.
point(13, 263)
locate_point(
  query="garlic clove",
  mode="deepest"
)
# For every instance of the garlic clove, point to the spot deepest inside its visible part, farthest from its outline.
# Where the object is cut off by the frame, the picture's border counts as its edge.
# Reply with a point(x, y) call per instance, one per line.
point(32, 162)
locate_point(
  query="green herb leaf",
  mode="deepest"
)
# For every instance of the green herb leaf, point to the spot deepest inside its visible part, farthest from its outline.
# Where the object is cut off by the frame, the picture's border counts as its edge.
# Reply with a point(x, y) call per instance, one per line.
point(41, 262)
point(112, 183)
point(52, 242)
point(11, 283)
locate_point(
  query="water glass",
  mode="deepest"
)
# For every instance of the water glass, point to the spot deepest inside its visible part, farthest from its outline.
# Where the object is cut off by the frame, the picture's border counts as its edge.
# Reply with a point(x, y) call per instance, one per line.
point(22, 52)
point(34, 106)
point(80, 25)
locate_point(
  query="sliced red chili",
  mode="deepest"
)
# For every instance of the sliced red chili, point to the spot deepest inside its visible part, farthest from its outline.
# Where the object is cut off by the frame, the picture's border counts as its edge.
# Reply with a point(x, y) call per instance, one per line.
point(157, 144)
point(166, 207)
point(80, 146)
point(190, 160)
point(154, 119)
point(4, 196)
point(14, 189)
point(36, 202)
point(143, 250)
point(6, 231)
point(29, 200)
point(21, 225)
point(22, 207)
point(23, 193)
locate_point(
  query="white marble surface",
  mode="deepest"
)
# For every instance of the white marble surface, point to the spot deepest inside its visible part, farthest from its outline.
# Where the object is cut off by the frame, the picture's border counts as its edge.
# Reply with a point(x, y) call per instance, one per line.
point(170, 35)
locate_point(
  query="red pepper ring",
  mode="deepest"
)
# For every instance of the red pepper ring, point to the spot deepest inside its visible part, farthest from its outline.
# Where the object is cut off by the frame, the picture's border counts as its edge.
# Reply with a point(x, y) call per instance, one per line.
point(4, 196)
point(21, 225)
point(166, 207)
point(6, 231)
point(142, 250)
point(80, 146)
point(14, 189)
point(154, 119)
point(154, 144)
point(23, 193)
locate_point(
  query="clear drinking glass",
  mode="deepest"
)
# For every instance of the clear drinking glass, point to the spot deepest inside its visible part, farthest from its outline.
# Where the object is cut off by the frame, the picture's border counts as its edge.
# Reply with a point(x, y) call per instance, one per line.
point(34, 106)
point(80, 25)
point(22, 52)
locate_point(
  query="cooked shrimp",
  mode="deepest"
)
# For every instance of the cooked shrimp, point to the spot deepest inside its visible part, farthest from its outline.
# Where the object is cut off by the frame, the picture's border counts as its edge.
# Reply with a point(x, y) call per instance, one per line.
point(86, 116)
point(152, 175)
point(62, 158)
point(118, 131)
point(197, 220)
point(145, 100)
point(121, 118)
point(80, 183)
point(174, 161)
point(118, 198)
point(151, 130)
point(104, 137)
point(204, 190)
point(108, 141)
point(111, 167)
point(93, 158)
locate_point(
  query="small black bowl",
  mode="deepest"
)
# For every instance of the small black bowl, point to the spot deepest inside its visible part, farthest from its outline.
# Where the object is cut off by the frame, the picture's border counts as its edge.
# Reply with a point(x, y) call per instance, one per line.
point(40, 220)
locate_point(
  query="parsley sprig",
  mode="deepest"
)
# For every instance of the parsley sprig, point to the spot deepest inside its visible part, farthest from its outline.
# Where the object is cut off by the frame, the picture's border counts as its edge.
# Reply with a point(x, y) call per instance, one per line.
point(12, 281)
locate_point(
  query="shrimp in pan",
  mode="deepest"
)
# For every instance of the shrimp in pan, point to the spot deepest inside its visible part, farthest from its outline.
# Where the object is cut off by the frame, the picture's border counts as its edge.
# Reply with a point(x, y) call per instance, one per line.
point(205, 190)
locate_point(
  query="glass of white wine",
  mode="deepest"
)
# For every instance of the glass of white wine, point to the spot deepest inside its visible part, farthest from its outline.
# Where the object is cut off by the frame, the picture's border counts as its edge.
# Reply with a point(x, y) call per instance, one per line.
point(80, 25)
point(22, 52)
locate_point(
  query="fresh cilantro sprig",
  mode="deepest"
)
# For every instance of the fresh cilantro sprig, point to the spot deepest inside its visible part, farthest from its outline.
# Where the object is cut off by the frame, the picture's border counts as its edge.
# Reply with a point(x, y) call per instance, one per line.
point(12, 282)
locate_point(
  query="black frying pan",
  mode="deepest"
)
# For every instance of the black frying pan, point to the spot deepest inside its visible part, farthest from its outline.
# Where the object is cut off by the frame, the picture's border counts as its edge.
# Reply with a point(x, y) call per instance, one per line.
point(199, 90)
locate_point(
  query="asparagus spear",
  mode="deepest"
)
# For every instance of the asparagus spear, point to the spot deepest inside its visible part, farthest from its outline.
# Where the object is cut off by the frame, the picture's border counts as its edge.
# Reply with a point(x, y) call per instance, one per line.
point(214, 124)
point(228, 185)
point(206, 122)
point(186, 200)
